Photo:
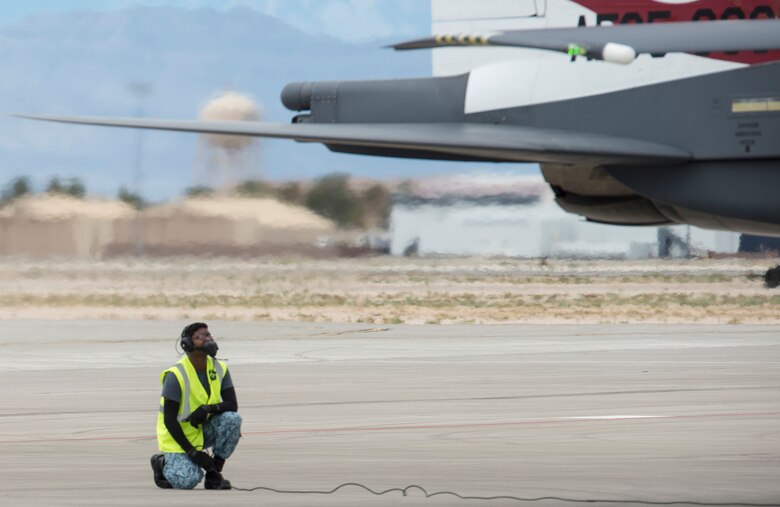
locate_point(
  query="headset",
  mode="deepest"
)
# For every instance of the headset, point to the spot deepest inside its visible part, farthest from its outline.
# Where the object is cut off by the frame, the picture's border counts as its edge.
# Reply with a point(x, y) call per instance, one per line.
point(185, 340)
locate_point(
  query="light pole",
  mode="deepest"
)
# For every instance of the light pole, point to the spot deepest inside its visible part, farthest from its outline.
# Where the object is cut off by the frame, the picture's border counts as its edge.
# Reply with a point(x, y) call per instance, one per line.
point(140, 91)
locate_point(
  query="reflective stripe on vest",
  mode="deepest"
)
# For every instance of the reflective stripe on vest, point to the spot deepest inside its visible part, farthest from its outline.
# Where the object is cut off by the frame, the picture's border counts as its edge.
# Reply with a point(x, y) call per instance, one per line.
point(185, 394)
point(220, 374)
point(185, 411)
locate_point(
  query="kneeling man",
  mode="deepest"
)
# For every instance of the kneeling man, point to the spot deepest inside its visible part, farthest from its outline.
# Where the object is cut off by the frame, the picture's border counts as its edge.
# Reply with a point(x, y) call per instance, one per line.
point(198, 410)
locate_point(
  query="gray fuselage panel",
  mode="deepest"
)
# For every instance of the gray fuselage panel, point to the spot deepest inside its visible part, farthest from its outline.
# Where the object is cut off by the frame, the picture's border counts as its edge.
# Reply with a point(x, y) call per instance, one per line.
point(695, 114)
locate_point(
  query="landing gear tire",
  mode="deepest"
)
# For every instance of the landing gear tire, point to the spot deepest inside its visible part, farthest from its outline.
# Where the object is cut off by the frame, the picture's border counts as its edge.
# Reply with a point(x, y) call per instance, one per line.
point(772, 278)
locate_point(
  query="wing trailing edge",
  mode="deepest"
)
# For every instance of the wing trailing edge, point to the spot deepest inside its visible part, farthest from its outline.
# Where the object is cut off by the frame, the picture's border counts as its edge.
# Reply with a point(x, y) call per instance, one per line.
point(487, 141)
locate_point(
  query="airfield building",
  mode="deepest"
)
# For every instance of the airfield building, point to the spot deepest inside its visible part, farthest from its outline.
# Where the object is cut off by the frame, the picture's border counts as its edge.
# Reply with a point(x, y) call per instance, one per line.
point(515, 215)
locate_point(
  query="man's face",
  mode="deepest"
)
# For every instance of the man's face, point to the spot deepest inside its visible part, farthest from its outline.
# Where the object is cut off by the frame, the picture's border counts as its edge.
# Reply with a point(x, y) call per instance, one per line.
point(201, 336)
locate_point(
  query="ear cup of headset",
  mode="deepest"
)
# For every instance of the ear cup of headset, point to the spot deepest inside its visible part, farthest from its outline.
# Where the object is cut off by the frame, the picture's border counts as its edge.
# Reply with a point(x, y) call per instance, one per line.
point(186, 341)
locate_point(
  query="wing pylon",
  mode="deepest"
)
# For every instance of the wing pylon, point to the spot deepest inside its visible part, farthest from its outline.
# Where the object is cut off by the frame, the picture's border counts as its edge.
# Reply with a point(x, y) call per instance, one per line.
point(622, 43)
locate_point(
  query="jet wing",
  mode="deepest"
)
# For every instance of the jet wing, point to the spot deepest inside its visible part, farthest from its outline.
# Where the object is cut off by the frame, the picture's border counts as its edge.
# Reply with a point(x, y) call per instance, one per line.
point(621, 43)
point(484, 141)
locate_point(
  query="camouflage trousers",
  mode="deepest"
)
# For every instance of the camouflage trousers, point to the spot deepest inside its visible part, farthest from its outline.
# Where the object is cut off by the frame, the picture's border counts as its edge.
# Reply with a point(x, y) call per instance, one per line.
point(221, 433)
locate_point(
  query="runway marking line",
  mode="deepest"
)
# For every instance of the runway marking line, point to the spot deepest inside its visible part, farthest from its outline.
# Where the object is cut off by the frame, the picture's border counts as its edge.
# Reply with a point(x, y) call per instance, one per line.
point(346, 429)
point(611, 417)
point(557, 420)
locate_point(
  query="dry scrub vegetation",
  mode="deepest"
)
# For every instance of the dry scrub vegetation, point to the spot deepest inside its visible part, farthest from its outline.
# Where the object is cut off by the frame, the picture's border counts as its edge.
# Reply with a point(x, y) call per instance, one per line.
point(391, 291)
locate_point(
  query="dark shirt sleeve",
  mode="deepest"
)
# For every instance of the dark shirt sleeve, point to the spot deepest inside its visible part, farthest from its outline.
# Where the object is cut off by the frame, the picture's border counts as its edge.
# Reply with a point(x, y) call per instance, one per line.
point(227, 382)
point(171, 389)
point(170, 412)
point(229, 402)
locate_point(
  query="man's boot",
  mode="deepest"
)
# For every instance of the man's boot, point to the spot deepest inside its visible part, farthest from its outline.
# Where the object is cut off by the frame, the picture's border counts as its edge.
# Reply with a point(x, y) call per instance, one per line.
point(158, 462)
point(214, 479)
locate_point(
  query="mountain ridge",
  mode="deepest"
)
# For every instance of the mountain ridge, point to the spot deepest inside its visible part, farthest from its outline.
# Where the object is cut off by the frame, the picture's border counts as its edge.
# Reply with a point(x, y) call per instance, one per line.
point(84, 62)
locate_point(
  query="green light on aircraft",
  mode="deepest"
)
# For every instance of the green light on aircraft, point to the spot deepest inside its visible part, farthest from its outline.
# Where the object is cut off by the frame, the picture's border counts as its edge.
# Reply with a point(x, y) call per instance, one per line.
point(576, 50)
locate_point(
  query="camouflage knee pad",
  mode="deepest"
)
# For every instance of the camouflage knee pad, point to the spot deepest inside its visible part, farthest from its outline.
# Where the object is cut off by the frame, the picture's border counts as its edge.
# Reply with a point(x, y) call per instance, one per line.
point(222, 433)
point(180, 471)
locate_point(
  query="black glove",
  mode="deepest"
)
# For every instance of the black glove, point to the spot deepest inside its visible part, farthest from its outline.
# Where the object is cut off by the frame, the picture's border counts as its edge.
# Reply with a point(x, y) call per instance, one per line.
point(199, 415)
point(201, 459)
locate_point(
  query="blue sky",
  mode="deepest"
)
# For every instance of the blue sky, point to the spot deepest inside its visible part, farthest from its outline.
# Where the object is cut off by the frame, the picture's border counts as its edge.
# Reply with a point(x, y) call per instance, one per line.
point(57, 61)
point(350, 20)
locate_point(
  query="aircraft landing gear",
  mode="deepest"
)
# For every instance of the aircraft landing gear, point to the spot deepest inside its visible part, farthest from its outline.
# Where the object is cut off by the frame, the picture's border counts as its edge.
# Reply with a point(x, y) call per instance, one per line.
point(772, 278)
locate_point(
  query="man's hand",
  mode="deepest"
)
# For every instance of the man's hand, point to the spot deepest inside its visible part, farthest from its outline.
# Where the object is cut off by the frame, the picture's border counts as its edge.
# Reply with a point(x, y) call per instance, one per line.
point(199, 415)
point(201, 459)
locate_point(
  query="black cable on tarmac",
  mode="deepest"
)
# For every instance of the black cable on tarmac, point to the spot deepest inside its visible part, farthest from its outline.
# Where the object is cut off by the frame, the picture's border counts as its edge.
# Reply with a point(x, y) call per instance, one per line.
point(405, 491)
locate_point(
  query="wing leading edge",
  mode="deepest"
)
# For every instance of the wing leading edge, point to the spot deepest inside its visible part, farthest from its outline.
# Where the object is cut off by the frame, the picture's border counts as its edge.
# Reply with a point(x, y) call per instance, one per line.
point(486, 141)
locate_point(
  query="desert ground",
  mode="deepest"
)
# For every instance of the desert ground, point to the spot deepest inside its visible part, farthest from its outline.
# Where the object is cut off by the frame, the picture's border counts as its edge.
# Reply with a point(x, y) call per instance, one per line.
point(387, 290)
point(668, 396)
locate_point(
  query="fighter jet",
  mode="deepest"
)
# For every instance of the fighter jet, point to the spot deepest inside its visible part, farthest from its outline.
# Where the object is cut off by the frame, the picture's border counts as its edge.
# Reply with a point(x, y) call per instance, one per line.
point(639, 113)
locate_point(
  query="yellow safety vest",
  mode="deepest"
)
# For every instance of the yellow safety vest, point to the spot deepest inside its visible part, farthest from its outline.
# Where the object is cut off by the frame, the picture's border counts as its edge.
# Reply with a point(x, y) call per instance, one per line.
point(193, 395)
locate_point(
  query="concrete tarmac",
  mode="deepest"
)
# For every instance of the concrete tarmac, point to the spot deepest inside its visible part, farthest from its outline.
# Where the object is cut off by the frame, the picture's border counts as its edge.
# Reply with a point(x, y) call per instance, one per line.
point(536, 415)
